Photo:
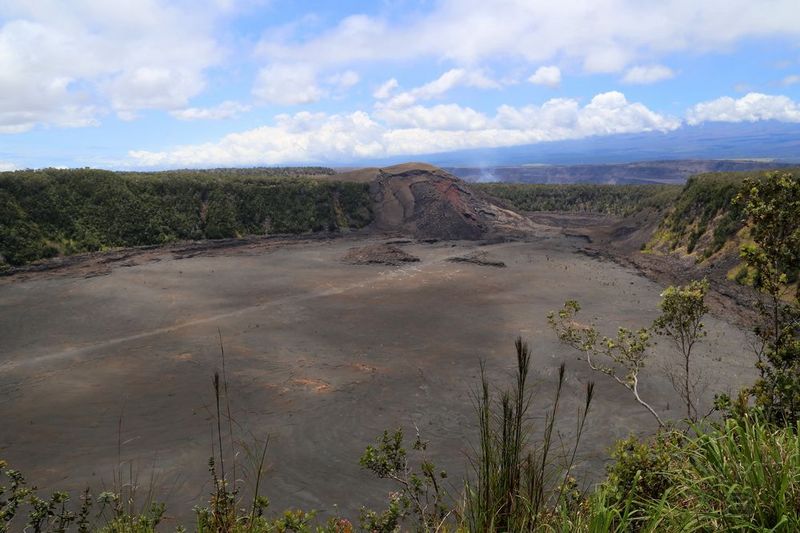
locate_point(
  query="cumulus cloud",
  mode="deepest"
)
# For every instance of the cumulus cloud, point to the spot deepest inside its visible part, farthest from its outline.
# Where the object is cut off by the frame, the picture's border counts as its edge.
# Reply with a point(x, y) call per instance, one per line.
point(438, 117)
point(69, 64)
point(385, 89)
point(564, 118)
point(446, 82)
point(287, 84)
point(344, 80)
point(301, 137)
point(644, 74)
point(151, 87)
point(602, 35)
point(66, 64)
point(547, 76)
point(751, 107)
point(297, 84)
point(227, 109)
point(6, 167)
point(311, 137)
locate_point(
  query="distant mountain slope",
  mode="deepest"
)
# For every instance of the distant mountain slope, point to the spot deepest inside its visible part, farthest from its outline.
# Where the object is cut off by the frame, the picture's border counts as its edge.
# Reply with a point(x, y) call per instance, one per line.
point(715, 140)
point(643, 172)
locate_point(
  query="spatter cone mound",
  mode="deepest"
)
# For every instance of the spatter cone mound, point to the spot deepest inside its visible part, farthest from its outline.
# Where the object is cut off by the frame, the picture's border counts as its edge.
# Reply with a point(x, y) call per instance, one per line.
point(426, 202)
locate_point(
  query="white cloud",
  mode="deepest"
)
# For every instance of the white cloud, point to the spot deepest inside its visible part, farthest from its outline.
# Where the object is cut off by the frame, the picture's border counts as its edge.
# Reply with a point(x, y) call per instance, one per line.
point(310, 137)
point(385, 89)
point(438, 117)
point(238, 6)
point(227, 109)
point(791, 80)
point(300, 137)
point(644, 74)
point(286, 84)
point(606, 114)
point(66, 63)
point(602, 35)
point(449, 80)
point(344, 80)
point(154, 87)
point(751, 107)
point(547, 76)
point(606, 58)
point(296, 84)
point(7, 167)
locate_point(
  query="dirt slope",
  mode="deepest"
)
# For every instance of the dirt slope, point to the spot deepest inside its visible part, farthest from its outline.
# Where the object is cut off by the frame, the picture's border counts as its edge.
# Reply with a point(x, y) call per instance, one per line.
point(424, 201)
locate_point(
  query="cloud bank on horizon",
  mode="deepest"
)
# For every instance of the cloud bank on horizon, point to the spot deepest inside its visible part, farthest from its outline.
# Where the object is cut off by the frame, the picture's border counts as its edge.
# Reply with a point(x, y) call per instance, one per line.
point(157, 83)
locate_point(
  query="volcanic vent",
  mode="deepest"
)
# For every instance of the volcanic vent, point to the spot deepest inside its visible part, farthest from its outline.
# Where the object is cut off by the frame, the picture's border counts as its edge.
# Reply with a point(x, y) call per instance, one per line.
point(426, 202)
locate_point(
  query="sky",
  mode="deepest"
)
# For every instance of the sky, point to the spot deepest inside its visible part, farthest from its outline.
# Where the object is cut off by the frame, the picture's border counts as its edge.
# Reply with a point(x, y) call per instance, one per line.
point(205, 83)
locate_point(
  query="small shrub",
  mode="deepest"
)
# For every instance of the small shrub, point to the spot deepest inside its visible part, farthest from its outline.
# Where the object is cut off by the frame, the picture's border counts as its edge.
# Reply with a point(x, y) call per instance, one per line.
point(641, 468)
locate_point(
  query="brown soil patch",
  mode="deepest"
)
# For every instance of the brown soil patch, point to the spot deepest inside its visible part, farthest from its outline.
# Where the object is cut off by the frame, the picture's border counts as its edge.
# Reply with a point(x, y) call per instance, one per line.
point(313, 385)
point(478, 258)
point(379, 254)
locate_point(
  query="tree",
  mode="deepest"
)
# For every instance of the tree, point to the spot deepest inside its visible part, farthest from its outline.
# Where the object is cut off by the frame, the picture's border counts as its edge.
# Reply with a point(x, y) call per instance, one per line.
point(421, 493)
point(624, 357)
point(772, 210)
point(682, 312)
point(626, 353)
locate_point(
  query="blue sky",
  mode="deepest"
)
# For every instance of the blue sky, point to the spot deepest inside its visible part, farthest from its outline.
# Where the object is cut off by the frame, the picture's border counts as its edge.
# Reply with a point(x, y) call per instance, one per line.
point(157, 84)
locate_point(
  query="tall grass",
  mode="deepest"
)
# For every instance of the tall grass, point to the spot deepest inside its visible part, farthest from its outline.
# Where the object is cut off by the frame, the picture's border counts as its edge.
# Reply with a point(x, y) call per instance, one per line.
point(517, 480)
point(744, 476)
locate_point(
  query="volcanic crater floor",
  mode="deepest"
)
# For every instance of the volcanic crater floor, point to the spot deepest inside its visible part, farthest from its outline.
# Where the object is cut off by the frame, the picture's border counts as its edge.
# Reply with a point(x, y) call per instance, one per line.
point(320, 354)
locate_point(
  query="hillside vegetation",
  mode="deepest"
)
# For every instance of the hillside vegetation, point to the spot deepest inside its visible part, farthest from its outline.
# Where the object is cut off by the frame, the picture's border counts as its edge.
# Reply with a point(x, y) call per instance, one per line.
point(622, 200)
point(44, 213)
point(704, 219)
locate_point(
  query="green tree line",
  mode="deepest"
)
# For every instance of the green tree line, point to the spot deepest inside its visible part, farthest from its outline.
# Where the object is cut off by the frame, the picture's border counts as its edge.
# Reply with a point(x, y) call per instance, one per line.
point(44, 213)
point(621, 200)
